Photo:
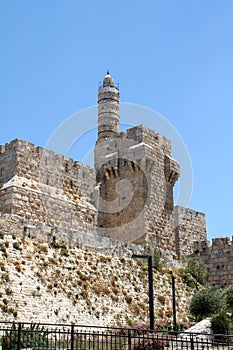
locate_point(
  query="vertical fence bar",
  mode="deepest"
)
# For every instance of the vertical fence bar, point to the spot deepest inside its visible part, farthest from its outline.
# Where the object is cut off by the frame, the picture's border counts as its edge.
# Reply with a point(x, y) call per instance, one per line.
point(192, 341)
point(72, 337)
point(19, 335)
point(129, 340)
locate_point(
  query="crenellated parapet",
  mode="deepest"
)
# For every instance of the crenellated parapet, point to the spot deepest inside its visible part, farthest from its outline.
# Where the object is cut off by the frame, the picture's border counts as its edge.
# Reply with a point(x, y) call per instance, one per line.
point(39, 185)
point(218, 259)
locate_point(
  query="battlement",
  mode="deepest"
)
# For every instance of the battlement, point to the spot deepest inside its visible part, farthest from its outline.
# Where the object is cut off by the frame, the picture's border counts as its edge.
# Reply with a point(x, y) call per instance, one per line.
point(46, 187)
point(39, 164)
point(221, 242)
point(142, 133)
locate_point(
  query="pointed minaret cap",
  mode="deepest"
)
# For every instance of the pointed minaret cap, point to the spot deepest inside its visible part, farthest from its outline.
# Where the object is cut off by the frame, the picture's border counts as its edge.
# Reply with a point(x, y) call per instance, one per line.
point(108, 80)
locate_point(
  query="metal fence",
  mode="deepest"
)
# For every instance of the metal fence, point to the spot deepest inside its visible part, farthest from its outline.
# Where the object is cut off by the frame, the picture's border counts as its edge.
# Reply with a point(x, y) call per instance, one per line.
point(17, 336)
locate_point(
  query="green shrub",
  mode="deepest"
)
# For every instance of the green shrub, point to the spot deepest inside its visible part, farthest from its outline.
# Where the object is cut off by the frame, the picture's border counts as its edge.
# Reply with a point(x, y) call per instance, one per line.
point(229, 299)
point(206, 302)
point(33, 336)
point(220, 323)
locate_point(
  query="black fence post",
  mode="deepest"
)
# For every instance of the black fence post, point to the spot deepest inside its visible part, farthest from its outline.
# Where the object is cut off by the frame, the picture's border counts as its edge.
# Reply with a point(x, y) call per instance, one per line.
point(151, 296)
point(192, 342)
point(174, 302)
point(72, 338)
point(19, 336)
point(129, 340)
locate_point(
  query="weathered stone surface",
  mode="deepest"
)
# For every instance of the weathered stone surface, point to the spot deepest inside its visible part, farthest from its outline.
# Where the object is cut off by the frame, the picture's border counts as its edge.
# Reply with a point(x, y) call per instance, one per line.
point(42, 284)
point(218, 259)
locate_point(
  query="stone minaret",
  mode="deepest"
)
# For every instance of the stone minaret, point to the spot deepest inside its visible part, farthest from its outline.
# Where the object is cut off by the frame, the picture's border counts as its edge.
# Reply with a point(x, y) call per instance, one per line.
point(108, 109)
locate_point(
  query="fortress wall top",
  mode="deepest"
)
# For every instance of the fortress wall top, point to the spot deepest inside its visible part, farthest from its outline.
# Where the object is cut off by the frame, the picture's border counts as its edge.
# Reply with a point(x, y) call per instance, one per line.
point(39, 164)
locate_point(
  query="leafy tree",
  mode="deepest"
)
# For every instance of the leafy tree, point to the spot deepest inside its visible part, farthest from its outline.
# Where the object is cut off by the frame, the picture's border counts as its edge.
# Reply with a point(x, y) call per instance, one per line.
point(206, 302)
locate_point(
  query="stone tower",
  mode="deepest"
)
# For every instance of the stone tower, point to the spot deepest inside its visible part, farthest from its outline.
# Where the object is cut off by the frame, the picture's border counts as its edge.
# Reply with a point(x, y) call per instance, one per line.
point(108, 109)
point(135, 176)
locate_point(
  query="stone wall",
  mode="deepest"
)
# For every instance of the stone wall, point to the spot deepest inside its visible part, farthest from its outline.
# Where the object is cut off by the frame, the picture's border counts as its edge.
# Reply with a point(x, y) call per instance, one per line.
point(45, 187)
point(127, 197)
point(41, 232)
point(190, 227)
point(218, 259)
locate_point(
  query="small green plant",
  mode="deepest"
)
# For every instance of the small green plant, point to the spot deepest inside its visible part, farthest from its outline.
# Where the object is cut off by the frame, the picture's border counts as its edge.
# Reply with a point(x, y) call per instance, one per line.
point(8, 291)
point(52, 260)
point(16, 245)
point(5, 277)
point(2, 247)
point(61, 246)
point(188, 279)
point(64, 251)
point(161, 299)
point(2, 266)
point(157, 259)
point(129, 322)
point(196, 269)
point(1, 235)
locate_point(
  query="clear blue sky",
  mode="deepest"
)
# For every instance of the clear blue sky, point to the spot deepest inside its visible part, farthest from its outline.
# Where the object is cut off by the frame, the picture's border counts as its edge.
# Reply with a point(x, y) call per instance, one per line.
point(174, 57)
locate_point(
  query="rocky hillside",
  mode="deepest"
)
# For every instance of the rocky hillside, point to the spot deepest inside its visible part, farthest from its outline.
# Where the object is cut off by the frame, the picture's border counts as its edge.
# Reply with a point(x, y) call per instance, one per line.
point(55, 284)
